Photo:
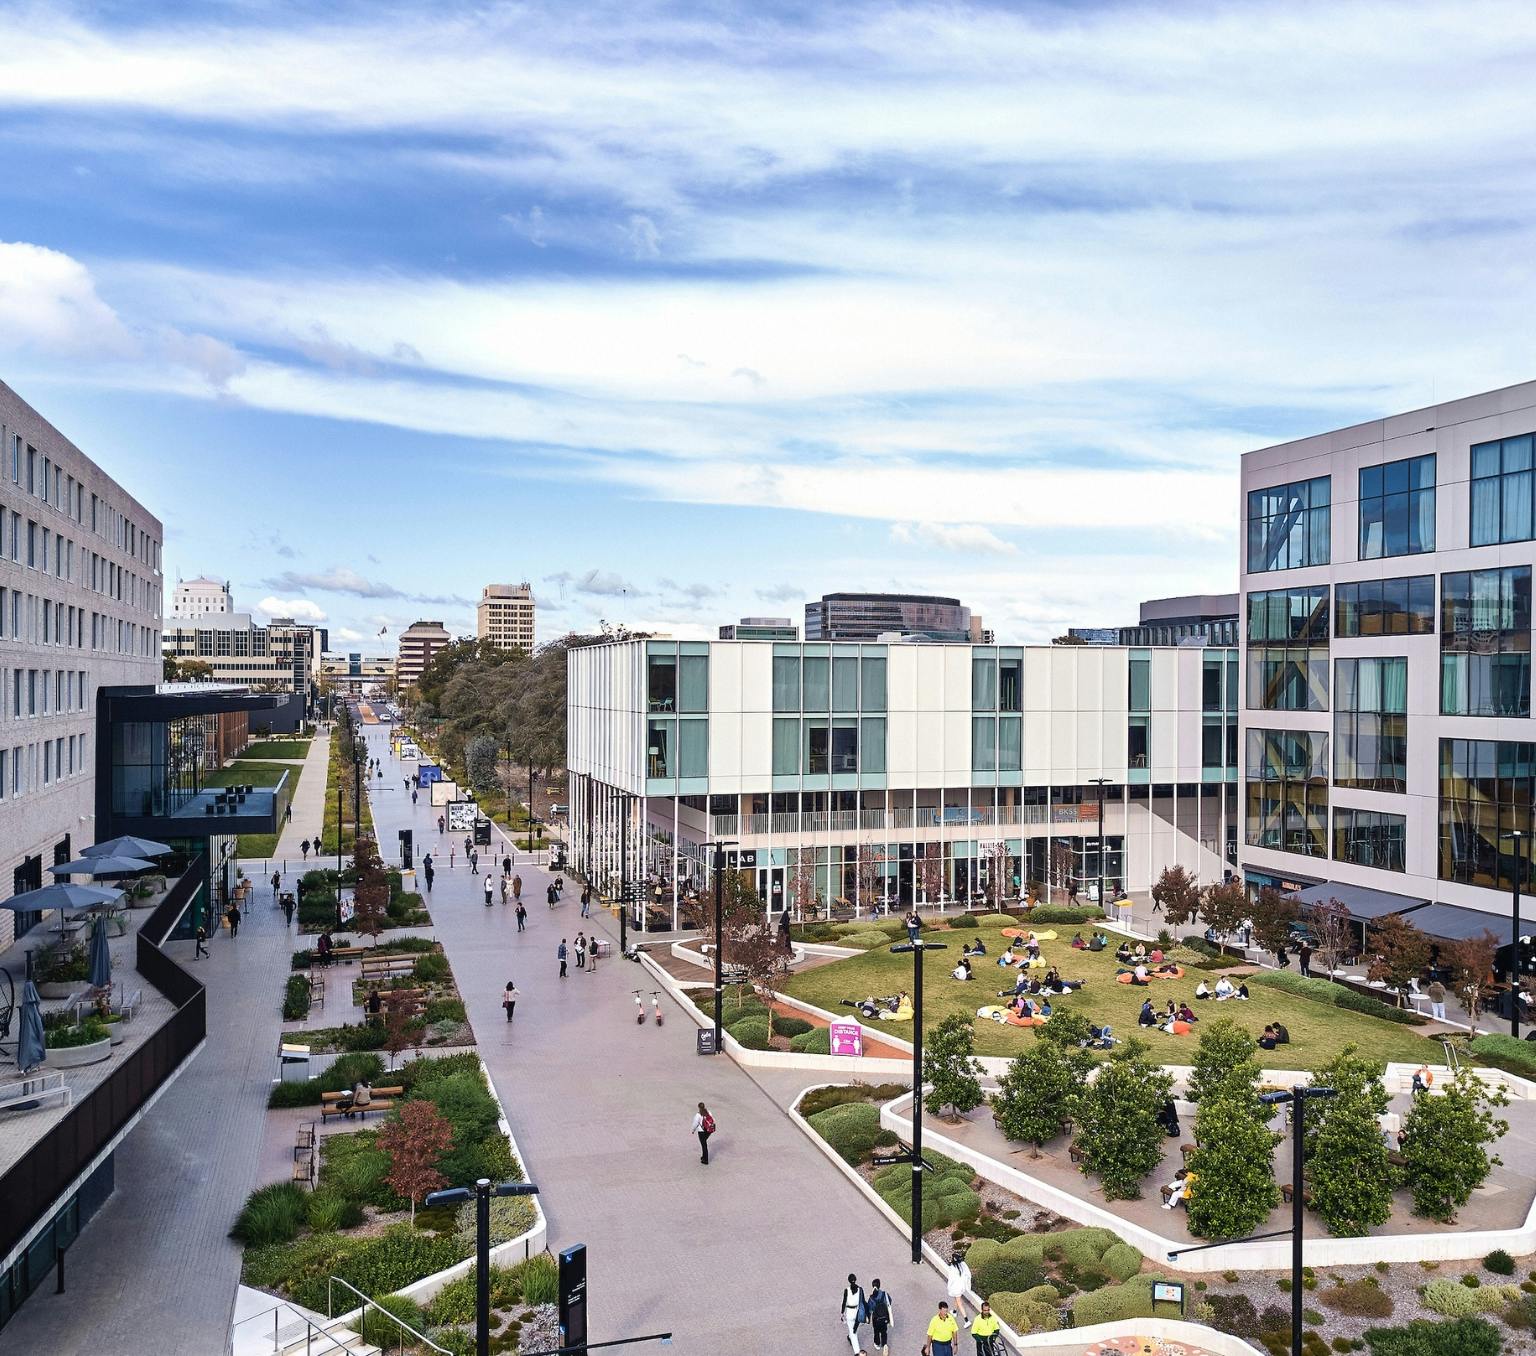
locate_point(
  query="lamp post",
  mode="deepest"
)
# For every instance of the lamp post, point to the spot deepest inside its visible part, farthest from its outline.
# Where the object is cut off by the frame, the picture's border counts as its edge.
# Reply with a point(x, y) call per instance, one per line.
point(338, 855)
point(1101, 783)
point(720, 846)
point(1519, 836)
point(624, 879)
point(917, 948)
point(481, 1194)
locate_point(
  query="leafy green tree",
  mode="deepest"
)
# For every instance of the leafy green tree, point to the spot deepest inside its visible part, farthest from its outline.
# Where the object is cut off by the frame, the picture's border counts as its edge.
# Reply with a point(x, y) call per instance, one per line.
point(1224, 1063)
point(950, 1067)
point(1348, 1073)
point(1034, 1097)
point(480, 763)
point(1402, 952)
point(1069, 1030)
point(1446, 1141)
point(1118, 1132)
point(1349, 1174)
point(1178, 894)
point(1274, 913)
point(1234, 1188)
point(1224, 906)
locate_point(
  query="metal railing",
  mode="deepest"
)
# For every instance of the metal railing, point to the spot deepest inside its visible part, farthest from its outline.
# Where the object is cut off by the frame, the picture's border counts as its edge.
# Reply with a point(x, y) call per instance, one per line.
point(311, 1330)
point(898, 819)
point(46, 1171)
point(362, 1327)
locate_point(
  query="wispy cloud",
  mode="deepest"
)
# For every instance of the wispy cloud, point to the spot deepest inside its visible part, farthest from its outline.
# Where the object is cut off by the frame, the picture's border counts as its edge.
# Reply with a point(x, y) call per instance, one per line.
point(344, 580)
point(969, 538)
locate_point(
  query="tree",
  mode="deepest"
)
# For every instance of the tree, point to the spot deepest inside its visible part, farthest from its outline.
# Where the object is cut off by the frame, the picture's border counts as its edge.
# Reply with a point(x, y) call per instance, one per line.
point(950, 1067)
point(747, 943)
point(370, 895)
point(930, 869)
point(1233, 1166)
point(1225, 1065)
point(168, 669)
point(1224, 907)
point(802, 882)
point(1331, 925)
point(1274, 914)
point(480, 763)
point(1070, 1030)
point(415, 1142)
point(1034, 1097)
point(1349, 1074)
point(401, 1023)
point(1471, 963)
point(1445, 1145)
point(999, 874)
point(1178, 895)
point(1348, 1170)
point(868, 861)
point(1402, 952)
point(1118, 1132)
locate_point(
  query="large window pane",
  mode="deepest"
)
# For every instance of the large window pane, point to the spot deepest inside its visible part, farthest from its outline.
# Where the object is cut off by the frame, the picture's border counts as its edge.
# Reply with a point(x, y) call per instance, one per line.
point(1010, 747)
point(1010, 685)
point(1288, 525)
point(817, 747)
point(786, 682)
point(1141, 684)
point(693, 748)
point(845, 745)
point(1485, 787)
point(872, 745)
point(984, 683)
point(661, 749)
point(845, 683)
point(786, 747)
point(693, 683)
point(1485, 642)
point(872, 680)
point(817, 683)
point(661, 687)
point(984, 744)
point(1502, 507)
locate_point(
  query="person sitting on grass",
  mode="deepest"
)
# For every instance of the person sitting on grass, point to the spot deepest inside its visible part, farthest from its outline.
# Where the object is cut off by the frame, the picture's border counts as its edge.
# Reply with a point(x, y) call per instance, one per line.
point(980, 949)
point(963, 969)
point(1031, 946)
point(1267, 1038)
point(1123, 953)
point(1007, 958)
point(1146, 1017)
point(1168, 967)
point(1077, 941)
point(1098, 942)
point(1224, 989)
point(1140, 952)
point(1202, 990)
point(1242, 992)
point(1139, 974)
point(1157, 955)
point(1282, 1036)
point(1185, 1015)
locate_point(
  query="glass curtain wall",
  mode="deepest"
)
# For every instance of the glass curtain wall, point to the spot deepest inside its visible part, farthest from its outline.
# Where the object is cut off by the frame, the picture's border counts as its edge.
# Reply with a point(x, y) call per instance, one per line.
point(1486, 790)
point(1288, 525)
point(1397, 508)
point(1287, 791)
point(1369, 838)
point(1485, 642)
point(1288, 650)
point(1503, 491)
point(1370, 724)
point(1386, 607)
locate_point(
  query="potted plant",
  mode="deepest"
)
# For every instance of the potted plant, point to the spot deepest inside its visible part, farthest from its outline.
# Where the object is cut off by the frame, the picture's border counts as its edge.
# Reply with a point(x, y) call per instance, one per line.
point(63, 972)
point(70, 1044)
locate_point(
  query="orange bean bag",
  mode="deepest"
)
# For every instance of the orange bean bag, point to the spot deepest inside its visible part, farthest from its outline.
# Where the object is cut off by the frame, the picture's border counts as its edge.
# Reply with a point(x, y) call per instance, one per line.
point(1181, 1029)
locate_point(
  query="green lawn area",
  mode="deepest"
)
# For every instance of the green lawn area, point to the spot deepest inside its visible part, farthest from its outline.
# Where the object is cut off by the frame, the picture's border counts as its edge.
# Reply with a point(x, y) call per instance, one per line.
point(1317, 1031)
point(246, 772)
point(277, 748)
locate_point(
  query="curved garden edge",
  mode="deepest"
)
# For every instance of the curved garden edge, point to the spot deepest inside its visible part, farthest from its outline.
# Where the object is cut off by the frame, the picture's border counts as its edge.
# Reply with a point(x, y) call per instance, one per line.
point(1267, 1256)
point(1223, 1344)
point(525, 1245)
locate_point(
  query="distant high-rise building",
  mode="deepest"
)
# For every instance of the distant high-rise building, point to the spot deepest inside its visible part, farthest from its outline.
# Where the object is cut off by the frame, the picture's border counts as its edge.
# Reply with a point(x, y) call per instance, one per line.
point(419, 645)
point(505, 616)
point(1196, 619)
point(760, 628)
point(201, 597)
point(868, 616)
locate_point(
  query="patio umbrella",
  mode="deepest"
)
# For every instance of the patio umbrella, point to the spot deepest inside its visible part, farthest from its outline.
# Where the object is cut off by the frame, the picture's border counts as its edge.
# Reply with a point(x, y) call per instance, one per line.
point(101, 957)
point(127, 846)
point(102, 866)
point(30, 1050)
point(61, 896)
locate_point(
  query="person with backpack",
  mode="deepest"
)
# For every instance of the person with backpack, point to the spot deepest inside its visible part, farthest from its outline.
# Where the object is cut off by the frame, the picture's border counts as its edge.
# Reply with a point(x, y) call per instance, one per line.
point(881, 1311)
point(852, 1309)
point(703, 1127)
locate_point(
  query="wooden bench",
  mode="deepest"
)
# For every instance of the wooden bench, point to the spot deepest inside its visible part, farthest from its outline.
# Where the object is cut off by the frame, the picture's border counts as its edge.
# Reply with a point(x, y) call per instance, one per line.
point(1185, 1150)
point(382, 1100)
point(28, 1093)
point(382, 967)
point(1168, 1191)
point(1288, 1194)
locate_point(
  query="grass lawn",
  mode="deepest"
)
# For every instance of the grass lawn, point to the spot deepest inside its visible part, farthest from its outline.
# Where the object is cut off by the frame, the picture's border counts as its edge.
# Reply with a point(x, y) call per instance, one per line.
point(1317, 1031)
point(277, 748)
point(250, 773)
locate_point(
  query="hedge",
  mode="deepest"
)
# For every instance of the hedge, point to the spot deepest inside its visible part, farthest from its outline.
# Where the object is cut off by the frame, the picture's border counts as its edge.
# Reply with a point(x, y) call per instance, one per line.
point(1113, 1303)
point(816, 1041)
point(1507, 1053)
point(751, 1032)
point(790, 1026)
point(852, 1129)
point(1458, 1337)
point(1121, 1260)
point(1064, 913)
point(1325, 991)
point(996, 920)
point(1023, 1314)
point(866, 939)
point(1004, 1271)
point(947, 1192)
point(1455, 1300)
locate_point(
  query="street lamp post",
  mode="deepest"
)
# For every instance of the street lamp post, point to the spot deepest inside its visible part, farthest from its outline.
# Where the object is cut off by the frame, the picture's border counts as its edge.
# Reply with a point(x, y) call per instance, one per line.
point(1101, 783)
point(1519, 836)
point(720, 846)
point(917, 948)
point(624, 879)
point(338, 855)
point(481, 1194)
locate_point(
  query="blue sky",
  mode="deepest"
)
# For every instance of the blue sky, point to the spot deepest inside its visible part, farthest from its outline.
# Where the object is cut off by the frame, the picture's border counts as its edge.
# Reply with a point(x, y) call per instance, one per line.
point(686, 312)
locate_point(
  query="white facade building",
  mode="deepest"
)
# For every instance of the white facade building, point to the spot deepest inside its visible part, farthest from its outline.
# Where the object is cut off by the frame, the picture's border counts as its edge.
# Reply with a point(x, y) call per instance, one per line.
point(504, 616)
point(283, 655)
point(1386, 590)
point(80, 608)
point(201, 597)
point(419, 644)
point(898, 772)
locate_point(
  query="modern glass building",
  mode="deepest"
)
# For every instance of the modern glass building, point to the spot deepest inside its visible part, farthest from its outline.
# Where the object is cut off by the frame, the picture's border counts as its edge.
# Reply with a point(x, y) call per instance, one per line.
point(868, 616)
point(1386, 602)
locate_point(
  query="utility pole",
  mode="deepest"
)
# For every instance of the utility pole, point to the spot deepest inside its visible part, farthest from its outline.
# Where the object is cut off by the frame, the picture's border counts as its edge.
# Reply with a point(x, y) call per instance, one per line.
point(720, 846)
point(915, 1154)
point(624, 880)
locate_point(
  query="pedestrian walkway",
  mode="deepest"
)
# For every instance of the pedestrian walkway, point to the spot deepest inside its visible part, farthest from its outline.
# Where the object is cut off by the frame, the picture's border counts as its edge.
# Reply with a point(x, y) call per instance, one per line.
point(746, 1255)
point(156, 1271)
point(308, 804)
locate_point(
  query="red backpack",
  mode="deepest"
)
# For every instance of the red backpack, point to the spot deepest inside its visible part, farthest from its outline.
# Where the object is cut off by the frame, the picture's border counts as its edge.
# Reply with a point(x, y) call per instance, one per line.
point(709, 1124)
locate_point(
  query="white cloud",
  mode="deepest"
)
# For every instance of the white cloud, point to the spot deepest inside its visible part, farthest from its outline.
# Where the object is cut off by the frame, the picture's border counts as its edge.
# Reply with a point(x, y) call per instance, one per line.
point(300, 609)
point(346, 633)
point(970, 538)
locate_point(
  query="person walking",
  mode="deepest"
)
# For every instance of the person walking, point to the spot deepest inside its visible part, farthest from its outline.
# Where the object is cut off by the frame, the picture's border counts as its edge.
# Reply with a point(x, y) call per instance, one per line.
point(439, 825)
point(509, 999)
point(414, 794)
point(943, 1333)
point(522, 916)
point(503, 889)
point(703, 1127)
point(958, 1283)
point(1436, 995)
point(487, 891)
point(852, 1311)
point(586, 901)
point(549, 896)
point(1304, 959)
point(202, 942)
point(288, 910)
point(506, 865)
point(469, 845)
point(985, 1332)
point(581, 950)
point(914, 925)
point(277, 885)
point(560, 952)
point(304, 848)
point(428, 871)
point(288, 814)
point(474, 861)
point(517, 888)
point(234, 922)
point(881, 1312)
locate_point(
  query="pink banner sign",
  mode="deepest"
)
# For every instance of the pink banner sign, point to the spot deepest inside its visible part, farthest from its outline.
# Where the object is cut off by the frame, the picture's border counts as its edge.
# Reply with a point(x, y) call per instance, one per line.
point(847, 1038)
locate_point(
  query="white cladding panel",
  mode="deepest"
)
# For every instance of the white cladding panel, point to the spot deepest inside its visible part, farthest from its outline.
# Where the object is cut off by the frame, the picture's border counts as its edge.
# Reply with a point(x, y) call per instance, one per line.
point(756, 679)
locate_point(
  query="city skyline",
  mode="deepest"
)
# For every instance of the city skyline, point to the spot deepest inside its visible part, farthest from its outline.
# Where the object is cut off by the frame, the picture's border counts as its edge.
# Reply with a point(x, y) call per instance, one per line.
point(996, 322)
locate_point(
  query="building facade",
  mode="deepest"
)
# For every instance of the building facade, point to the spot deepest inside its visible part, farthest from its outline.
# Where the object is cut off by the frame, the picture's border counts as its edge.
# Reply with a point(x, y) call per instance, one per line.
point(869, 616)
point(505, 616)
point(872, 773)
point(1386, 591)
point(80, 609)
point(201, 597)
point(282, 656)
point(760, 628)
point(419, 644)
point(357, 674)
point(1199, 619)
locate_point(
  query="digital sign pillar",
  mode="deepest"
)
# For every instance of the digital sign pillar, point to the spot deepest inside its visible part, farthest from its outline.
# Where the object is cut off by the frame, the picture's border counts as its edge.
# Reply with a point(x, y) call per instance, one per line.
point(573, 1297)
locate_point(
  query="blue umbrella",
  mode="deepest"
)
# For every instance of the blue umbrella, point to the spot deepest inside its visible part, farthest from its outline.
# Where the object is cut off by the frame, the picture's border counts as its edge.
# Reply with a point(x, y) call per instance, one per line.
point(101, 958)
point(30, 1050)
point(126, 847)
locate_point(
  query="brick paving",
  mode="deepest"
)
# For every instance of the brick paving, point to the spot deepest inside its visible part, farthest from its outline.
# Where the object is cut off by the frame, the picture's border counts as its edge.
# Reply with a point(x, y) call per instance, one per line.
point(746, 1255)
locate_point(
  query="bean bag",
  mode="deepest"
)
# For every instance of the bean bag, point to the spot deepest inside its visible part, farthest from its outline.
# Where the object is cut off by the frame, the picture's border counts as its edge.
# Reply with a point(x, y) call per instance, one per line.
point(1125, 977)
point(1006, 1016)
point(1176, 973)
point(902, 1014)
point(1022, 934)
point(1179, 1028)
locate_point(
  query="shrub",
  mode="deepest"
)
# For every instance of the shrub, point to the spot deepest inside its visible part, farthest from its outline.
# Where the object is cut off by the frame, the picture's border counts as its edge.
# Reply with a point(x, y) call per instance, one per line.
point(1121, 1261)
point(1373, 1007)
point(539, 1278)
point(816, 1041)
point(1006, 1271)
point(271, 1214)
point(1235, 1314)
point(328, 1211)
point(433, 966)
point(355, 1168)
point(732, 1006)
point(752, 1032)
point(819, 1099)
point(1025, 1315)
point(455, 1302)
point(375, 1328)
point(866, 939)
point(1500, 1263)
point(1113, 1303)
point(1507, 1053)
point(445, 1010)
point(966, 920)
point(996, 920)
point(510, 1217)
point(1423, 1337)
point(1358, 1299)
point(852, 1129)
point(1061, 913)
point(791, 1026)
point(1460, 1301)
point(1083, 1247)
point(947, 1192)
point(296, 999)
point(1326, 991)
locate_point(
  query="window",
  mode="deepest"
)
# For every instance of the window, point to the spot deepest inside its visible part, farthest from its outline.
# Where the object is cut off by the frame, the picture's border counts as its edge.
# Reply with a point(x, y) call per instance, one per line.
point(1288, 525)
point(872, 686)
point(661, 682)
point(1136, 742)
point(693, 683)
point(1397, 508)
point(817, 682)
point(661, 751)
point(1288, 678)
point(786, 746)
point(872, 742)
point(983, 744)
point(817, 745)
point(1210, 685)
point(1503, 487)
point(845, 745)
point(1010, 684)
point(1140, 684)
point(1485, 642)
point(1368, 838)
point(1287, 791)
point(984, 681)
point(1386, 607)
point(693, 748)
point(1486, 787)
point(1288, 615)
point(1212, 743)
point(845, 682)
point(1370, 724)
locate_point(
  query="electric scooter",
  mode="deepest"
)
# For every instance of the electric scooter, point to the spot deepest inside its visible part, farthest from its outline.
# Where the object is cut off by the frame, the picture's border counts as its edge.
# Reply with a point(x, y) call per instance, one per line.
point(639, 1008)
point(656, 1004)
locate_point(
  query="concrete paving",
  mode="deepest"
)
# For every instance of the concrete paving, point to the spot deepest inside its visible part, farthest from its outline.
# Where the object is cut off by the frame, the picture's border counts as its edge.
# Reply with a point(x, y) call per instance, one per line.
point(745, 1255)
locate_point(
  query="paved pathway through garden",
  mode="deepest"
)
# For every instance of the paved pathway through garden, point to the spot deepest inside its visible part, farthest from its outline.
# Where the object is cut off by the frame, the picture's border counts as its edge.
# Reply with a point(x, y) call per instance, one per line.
point(747, 1255)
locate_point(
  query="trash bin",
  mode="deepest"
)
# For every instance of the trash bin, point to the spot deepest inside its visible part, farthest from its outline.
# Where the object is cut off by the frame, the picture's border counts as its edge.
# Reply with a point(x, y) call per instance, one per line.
point(293, 1063)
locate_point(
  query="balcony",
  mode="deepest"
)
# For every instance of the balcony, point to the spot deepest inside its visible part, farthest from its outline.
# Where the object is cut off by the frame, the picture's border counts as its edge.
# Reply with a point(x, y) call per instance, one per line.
point(902, 820)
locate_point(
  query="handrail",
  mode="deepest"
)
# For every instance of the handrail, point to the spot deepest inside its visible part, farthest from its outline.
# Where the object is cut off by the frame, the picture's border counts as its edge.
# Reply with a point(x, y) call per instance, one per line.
point(310, 1329)
point(400, 1322)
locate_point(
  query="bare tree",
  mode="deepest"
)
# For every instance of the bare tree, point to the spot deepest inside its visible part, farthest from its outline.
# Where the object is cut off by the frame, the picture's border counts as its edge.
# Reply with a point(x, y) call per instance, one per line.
point(998, 874)
point(803, 882)
point(930, 873)
point(1335, 932)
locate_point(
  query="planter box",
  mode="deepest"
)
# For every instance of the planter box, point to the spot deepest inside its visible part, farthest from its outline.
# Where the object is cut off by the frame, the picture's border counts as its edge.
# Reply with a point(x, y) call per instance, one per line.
point(65, 989)
point(73, 1056)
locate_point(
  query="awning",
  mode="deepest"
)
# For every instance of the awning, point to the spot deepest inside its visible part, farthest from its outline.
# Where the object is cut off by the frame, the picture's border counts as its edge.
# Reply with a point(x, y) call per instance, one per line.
point(1361, 902)
point(1451, 923)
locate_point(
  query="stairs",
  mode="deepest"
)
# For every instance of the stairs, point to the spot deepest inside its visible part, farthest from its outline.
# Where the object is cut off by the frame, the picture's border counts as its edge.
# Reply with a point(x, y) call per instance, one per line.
point(308, 1339)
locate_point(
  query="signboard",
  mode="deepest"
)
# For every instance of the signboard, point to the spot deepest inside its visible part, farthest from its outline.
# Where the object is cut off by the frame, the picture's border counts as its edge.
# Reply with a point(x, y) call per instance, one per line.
point(573, 1296)
point(462, 815)
point(427, 773)
point(1168, 1292)
point(847, 1038)
point(444, 792)
point(483, 832)
point(706, 1041)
